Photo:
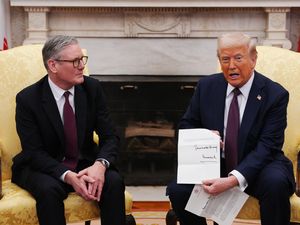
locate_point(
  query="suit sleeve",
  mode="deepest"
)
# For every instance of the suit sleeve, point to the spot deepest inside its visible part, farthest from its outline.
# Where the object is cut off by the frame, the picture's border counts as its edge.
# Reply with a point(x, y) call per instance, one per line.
point(191, 118)
point(32, 141)
point(109, 143)
point(266, 139)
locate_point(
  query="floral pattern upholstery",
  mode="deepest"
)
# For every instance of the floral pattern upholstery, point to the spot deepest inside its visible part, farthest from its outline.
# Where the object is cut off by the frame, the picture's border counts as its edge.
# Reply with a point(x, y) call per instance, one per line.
point(282, 66)
point(20, 67)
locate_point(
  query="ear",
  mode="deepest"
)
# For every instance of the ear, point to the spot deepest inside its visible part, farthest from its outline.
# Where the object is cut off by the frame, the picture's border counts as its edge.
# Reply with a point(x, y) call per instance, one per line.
point(52, 65)
point(253, 60)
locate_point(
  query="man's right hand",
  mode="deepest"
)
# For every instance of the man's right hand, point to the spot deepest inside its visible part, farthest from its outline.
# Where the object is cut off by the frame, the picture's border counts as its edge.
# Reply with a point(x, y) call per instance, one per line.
point(80, 184)
point(221, 142)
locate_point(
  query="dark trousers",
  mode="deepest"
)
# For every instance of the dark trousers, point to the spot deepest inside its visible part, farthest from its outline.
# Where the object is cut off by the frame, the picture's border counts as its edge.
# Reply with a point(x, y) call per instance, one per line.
point(50, 193)
point(272, 188)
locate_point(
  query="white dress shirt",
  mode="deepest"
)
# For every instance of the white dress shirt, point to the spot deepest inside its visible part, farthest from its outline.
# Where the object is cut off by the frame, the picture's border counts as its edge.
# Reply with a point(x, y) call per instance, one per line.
point(58, 94)
point(242, 100)
point(59, 97)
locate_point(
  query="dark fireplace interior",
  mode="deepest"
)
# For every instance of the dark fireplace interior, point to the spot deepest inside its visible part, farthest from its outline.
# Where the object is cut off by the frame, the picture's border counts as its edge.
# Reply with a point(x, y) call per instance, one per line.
point(146, 113)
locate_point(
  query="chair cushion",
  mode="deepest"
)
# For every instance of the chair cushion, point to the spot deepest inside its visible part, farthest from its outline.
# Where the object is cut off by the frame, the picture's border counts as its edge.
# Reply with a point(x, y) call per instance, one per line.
point(18, 207)
point(250, 209)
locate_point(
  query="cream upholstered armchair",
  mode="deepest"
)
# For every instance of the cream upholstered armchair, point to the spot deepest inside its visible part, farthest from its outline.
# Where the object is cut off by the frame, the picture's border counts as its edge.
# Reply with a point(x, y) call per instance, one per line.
point(282, 66)
point(20, 67)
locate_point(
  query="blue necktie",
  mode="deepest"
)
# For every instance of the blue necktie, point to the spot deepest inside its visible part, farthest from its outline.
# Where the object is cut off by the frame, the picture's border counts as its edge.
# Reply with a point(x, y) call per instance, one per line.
point(71, 146)
point(232, 132)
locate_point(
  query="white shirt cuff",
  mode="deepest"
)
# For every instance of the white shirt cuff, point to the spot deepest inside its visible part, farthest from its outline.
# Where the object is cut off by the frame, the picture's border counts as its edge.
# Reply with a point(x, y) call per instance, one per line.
point(243, 184)
point(62, 177)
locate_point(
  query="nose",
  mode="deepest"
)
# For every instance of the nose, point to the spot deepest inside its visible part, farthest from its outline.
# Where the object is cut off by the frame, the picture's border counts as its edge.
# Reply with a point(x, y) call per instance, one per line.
point(81, 65)
point(232, 63)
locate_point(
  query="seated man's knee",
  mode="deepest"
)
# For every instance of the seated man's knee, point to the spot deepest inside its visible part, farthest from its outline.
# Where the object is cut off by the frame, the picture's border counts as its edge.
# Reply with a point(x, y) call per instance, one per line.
point(179, 193)
point(276, 185)
point(51, 191)
point(114, 180)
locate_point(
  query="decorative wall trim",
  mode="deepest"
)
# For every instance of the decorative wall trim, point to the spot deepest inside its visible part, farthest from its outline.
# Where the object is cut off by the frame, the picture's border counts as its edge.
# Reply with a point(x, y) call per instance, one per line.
point(161, 36)
point(150, 10)
point(277, 10)
point(36, 9)
point(161, 3)
point(151, 22)
point(157, 24)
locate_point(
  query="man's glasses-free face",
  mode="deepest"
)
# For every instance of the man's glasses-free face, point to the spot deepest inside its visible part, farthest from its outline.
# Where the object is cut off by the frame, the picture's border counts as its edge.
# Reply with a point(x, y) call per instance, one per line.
point(76, 62)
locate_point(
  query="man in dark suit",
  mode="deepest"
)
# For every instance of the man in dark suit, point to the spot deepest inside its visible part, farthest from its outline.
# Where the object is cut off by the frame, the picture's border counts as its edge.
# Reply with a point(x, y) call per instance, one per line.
point(55, 119)
point(260, 167)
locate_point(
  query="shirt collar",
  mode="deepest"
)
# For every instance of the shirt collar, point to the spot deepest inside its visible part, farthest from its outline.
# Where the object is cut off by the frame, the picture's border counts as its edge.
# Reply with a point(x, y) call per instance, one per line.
point(245, 89)
point(57, 91)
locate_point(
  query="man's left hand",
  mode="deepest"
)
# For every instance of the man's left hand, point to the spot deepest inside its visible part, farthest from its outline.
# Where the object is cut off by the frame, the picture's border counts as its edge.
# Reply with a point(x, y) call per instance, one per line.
point(96, 172)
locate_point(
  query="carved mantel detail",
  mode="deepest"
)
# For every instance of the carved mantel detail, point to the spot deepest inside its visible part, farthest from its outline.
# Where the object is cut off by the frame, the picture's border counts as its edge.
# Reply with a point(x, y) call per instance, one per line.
point(157, 24)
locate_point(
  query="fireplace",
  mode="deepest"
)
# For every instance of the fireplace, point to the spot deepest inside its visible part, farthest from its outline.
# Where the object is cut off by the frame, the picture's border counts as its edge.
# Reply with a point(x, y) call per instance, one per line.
point(169, 42)
point(146, 113)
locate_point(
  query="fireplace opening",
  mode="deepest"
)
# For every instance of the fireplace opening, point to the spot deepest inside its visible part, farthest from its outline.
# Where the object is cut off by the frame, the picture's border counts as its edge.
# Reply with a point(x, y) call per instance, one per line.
point(146, 114)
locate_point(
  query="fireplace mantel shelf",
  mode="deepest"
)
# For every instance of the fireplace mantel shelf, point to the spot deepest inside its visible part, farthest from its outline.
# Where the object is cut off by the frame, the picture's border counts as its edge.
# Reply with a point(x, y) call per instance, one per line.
point(156, 3)
point(157, 37)
point(146, 78)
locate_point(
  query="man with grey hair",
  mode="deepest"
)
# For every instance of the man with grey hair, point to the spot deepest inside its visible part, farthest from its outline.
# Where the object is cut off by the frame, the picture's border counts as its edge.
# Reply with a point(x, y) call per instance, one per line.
point(248, 111)
point(56, 118)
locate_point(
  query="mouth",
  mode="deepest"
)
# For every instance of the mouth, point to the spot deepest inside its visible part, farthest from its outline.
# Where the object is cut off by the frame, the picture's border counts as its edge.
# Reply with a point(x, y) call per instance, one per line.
point(234, 75)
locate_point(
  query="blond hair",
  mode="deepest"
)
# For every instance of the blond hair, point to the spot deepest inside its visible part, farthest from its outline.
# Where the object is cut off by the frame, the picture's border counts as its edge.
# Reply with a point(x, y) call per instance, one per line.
point(237, 39)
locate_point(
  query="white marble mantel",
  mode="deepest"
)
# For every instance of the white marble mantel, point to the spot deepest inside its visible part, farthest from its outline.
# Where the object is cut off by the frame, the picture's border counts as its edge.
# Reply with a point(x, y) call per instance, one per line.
point(157, 3)
point(163, 37)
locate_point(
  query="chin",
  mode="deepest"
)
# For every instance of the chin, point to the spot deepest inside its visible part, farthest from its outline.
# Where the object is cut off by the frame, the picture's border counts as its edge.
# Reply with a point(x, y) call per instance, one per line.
point(79, 80)
point(235, 83)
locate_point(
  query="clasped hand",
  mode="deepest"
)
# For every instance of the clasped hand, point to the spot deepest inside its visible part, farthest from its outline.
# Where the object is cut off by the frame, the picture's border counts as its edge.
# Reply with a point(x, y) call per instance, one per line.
point(89, 182)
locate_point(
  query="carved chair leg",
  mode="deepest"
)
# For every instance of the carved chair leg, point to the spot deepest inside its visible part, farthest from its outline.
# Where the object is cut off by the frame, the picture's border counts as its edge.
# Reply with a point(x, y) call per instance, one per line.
point(171, 218)
point(130, 220)
point(88, 222)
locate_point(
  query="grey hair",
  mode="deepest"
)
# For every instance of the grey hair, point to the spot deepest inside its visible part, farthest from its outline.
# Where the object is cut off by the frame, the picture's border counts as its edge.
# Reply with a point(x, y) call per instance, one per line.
point(55, 45)
point(237, 39)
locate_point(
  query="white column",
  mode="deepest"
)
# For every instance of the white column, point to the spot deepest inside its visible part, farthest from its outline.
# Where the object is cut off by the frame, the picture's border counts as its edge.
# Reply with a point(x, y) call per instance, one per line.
point(276, 28)
point(37, 31)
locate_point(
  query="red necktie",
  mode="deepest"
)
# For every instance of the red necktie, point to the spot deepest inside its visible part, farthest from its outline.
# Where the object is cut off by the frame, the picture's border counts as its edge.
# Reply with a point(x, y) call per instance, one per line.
point(71, 154)
point(232, 131)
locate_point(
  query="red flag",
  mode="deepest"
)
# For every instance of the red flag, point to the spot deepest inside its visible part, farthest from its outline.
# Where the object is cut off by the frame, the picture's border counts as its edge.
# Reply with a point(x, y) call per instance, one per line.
point(298, 47)
point(5, 44)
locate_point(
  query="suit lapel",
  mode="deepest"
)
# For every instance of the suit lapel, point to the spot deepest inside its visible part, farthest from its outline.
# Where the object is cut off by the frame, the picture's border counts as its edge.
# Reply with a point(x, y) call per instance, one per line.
point(51, 110)
point(80, 111)
point(220, 105)
point(255, 99)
